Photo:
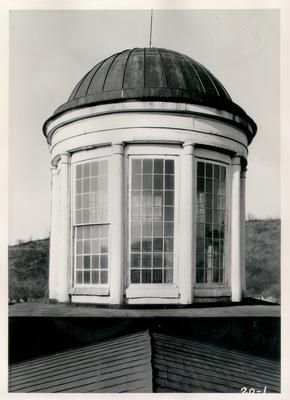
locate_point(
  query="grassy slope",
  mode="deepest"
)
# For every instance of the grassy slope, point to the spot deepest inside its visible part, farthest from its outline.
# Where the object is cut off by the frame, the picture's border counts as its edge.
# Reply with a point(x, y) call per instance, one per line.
point(263, 257)
point(28, 269)
point(28, 263)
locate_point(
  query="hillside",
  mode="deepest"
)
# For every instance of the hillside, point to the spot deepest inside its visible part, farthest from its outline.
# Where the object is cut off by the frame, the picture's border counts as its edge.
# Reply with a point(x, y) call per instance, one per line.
point(28, 263)
point(263, 258)
point(28, 269)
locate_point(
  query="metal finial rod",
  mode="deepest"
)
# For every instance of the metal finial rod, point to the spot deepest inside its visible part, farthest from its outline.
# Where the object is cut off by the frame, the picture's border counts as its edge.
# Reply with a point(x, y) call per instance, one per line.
point(151, 21)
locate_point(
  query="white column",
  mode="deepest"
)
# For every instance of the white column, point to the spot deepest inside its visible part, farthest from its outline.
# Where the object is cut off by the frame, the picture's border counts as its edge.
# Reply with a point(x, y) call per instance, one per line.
point(53, 250)
point(243, 231)
point(64, 243)
point(187, 224)
point(117, 224)
point(235, 264)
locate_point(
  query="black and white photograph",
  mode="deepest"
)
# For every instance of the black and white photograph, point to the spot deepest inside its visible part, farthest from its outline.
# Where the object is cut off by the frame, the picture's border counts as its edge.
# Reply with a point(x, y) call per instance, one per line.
point(144, 195)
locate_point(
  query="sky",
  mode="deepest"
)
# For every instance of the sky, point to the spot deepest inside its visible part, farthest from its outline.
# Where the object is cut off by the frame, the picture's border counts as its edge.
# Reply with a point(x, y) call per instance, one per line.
point(50, 51)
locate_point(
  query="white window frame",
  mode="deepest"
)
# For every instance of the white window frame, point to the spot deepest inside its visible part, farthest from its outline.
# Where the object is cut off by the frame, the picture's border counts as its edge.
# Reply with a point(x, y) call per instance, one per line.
point(160, 290)
point(209, 156)
point(82, 158)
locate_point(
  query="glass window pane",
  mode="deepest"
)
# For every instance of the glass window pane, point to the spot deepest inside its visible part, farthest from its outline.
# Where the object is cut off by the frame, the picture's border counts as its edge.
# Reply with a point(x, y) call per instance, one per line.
point(95, 277)
point(168, 229)
point(158, 244)
point(209, 188)
point(95, 262)
point(158, 182)
point(168, 244)
point(104, 246)
point(79, 263)
point(87, 247)
point(135, 244)
point(135, 276)
point(87, 277)
point(147, 229)
point(79, 171)
point(223, 173)
point(147, 182)
point(95, 168)
point(200, 169)
point(147, 245)
point(158, 198)
point(86, 262)
point(169, 198)
point(157, 260)
point(146, 260)
point(168, 275)
point(135, 260)
point(208, 170)
point(200, 260)
point(157, 229)
point(146, 275)
point(200, 184)
point(86, 169)
point(79, 277)
point(158, 166)
point(157, 276)
point(216, 171)
point(104, 277)
point(136, 166)
point(104, 261)
point(136, 181)
point(168, 260)
point(79, 186)
point(200, 276)
point(169, 182)
point(169, 166)
point(147, 166)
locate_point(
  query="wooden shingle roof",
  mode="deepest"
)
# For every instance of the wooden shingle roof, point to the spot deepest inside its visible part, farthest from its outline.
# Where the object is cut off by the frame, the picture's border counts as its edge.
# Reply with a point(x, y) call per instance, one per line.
point(117, 365)
point(182, 365)
point(146, 362)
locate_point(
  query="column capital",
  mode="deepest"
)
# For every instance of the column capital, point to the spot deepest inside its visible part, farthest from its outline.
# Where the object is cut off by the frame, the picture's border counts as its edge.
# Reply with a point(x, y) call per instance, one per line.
point(188, 148)
point(64, 158)
point(118, 147)
point(53, 170)
point(236, 160)
point(244, 173)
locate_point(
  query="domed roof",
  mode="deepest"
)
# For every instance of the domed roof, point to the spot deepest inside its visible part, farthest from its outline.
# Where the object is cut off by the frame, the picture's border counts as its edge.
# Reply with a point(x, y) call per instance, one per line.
point(151, 74)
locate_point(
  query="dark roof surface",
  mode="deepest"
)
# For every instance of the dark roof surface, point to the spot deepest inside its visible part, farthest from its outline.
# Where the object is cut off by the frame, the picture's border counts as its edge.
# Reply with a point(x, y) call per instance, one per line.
point(152, 74)
point(146, 362)
point(42, 309)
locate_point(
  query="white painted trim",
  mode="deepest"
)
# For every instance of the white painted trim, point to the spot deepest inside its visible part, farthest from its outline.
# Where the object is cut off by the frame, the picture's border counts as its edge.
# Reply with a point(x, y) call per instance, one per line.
point(91, 290)
point(212, 291)
point(235, 243)
point(90, 299)
point(116, 196)
point(186, 221)
point(91, 154)
point(153, 300)
point(211, 155)
point(152, 149)
point(135, 106)
point(158, 291)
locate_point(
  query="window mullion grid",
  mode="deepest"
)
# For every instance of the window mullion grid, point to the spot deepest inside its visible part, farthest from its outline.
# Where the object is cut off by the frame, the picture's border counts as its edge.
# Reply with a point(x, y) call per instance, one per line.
point(163, 223)
point(141, 222)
